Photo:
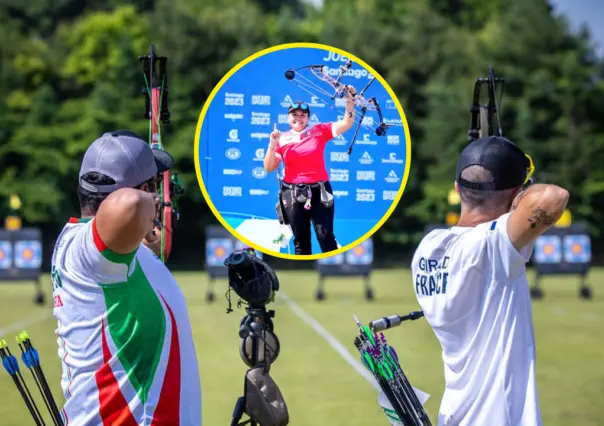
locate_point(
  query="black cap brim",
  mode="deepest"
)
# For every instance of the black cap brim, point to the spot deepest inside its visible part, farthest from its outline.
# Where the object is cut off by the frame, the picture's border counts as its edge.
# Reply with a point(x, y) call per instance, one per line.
point(163, 160)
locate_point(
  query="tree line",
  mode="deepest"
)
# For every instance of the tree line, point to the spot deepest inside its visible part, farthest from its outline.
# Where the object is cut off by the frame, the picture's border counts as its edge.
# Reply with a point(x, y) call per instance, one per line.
point(69, 71)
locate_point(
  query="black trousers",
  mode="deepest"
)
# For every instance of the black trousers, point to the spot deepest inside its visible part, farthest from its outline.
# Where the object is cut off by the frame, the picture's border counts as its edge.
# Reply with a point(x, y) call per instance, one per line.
point(300, 220)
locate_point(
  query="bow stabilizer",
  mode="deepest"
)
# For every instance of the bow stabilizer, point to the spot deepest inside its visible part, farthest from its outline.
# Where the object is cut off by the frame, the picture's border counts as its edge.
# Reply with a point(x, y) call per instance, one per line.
point(157, 112)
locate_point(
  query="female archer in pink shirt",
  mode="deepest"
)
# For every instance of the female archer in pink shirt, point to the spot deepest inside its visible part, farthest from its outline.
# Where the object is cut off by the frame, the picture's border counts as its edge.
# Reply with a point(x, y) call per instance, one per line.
point(306, 195)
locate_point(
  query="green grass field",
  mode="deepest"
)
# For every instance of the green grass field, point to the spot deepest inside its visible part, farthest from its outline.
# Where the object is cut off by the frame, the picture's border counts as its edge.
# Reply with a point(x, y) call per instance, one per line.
point(319, 386)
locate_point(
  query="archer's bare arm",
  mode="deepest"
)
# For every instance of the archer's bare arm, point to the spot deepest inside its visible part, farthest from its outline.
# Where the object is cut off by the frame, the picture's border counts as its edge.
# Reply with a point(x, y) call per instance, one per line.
point(536, 210)
point(347, 121)
point(125, 217)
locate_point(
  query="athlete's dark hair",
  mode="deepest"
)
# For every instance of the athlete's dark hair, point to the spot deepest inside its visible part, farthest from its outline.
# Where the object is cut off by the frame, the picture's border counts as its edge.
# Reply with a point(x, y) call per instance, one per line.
point(91, 201)
point(483, 200)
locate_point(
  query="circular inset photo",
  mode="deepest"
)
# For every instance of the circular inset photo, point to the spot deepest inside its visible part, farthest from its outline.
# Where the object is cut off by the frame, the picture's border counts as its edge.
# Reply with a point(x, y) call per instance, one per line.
point(302, 151)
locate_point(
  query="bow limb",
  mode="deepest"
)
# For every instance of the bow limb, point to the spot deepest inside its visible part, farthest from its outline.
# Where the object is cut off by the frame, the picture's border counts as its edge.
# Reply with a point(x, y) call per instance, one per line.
point(156, 91)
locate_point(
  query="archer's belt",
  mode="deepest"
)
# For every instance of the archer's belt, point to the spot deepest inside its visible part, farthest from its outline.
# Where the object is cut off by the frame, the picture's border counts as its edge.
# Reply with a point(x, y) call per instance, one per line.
point(302, 193)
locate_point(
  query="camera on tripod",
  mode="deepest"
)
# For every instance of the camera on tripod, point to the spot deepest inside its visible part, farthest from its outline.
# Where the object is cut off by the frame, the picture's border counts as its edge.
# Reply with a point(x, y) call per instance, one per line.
point(256, 284)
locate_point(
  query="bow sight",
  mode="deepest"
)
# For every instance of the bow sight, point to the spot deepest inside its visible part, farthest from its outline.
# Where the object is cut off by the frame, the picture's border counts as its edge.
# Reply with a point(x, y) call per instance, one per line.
point(339, 90)
point(255, 283)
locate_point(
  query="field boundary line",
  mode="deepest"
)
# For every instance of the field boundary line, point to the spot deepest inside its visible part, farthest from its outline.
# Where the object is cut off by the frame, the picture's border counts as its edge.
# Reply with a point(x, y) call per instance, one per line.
point(330, 339)
point(19, 325)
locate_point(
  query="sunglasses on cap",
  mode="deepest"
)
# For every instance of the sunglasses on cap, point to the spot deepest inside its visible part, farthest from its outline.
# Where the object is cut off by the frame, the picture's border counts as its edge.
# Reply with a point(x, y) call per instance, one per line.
point(298, 105)
point(530, 166)
point(530, 169)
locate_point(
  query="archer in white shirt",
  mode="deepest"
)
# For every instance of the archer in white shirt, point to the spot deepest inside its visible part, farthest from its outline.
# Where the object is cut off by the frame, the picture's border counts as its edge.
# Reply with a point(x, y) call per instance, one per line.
point(471, 283)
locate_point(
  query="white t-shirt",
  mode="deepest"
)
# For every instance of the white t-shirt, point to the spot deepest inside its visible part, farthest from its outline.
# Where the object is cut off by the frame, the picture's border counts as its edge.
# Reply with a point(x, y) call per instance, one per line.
point(471, 284)
point(124, 335)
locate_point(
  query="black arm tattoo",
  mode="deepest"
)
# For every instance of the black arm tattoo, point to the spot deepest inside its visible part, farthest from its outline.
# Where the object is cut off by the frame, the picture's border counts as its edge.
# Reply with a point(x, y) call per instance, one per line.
point(540, 216)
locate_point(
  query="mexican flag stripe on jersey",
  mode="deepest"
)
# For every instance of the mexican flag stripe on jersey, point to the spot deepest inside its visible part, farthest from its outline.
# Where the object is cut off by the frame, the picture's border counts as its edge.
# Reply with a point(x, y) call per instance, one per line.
point(136, 325)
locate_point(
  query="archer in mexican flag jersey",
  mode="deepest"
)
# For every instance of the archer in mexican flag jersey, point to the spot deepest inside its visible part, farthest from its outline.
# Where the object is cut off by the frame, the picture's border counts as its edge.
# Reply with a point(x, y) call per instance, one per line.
point(124, 335)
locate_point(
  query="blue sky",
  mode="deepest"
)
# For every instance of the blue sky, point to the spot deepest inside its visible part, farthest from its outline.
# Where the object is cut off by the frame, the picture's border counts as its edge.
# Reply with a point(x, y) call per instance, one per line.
point(590, 12)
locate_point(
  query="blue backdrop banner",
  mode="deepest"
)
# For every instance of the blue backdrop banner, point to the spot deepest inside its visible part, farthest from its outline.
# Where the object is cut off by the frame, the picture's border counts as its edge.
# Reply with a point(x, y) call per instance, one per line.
point(236, 129)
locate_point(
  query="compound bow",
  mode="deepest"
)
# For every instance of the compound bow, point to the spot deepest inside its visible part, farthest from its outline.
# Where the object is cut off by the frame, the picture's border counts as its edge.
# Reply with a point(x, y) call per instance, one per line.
point(157, 112)
point(339, 90)
point(485, 119)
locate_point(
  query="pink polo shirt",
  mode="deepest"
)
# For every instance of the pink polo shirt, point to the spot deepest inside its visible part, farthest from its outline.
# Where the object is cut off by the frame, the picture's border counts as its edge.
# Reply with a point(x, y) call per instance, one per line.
point(303, 153)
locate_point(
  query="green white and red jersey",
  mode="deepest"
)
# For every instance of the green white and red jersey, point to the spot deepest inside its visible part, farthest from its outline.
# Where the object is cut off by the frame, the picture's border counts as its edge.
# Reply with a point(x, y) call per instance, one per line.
point(124, 335)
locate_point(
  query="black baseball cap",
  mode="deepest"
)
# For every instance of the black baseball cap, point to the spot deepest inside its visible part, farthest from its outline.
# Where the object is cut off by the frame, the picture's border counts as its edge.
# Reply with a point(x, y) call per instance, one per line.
point(509, 165)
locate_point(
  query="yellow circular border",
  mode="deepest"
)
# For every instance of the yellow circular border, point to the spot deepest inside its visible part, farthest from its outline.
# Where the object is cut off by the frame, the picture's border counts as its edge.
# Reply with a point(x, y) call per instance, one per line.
point(384, 218)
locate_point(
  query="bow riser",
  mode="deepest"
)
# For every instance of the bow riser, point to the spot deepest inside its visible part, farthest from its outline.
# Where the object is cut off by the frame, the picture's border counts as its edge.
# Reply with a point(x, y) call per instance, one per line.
point(157, 112)
point(484, 120)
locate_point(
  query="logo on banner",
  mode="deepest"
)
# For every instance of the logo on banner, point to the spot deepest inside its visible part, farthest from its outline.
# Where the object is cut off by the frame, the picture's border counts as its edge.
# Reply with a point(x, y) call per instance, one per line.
point(367, 121)
point(233, 135)
point(233, 153)
point(365, 158)
point(339, 140)
point(260, 136)
point(287, 101)
point(258, 192)
point(259, 173)
point(393, 140)
point(340, 194)
point(393, 121)
point(390, 104)
point(392, 177)
point(6, 254)
point(28, 254)
point(233, 99)
point(341, 102)
point(232, 172)
point(261, 118)
point(217, 250)
point(338, 157)
point(361, 254)
point(232, 191)
point(314, 119)
point(233, 117)
point(577, 249)
point(389, 195)
point(338, 175)
point(366, 175)
point(282, 119)
point(392, 159)
point(259, 154)
point(315, 102)
point(366, 140)
point(261, 100)
point(548, 249)
point(366, 195)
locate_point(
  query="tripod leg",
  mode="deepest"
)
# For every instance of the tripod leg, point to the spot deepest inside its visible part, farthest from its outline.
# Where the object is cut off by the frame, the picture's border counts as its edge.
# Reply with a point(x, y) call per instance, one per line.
point(584, 289)
point(39, 296)
point(210, 292)
point(238, 411)
point(320, 294)
point(536, 292)
point(368, 290)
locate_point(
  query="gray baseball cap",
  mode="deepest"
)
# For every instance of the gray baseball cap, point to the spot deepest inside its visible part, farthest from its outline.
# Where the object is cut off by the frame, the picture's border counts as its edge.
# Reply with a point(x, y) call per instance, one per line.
point(124, 157)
